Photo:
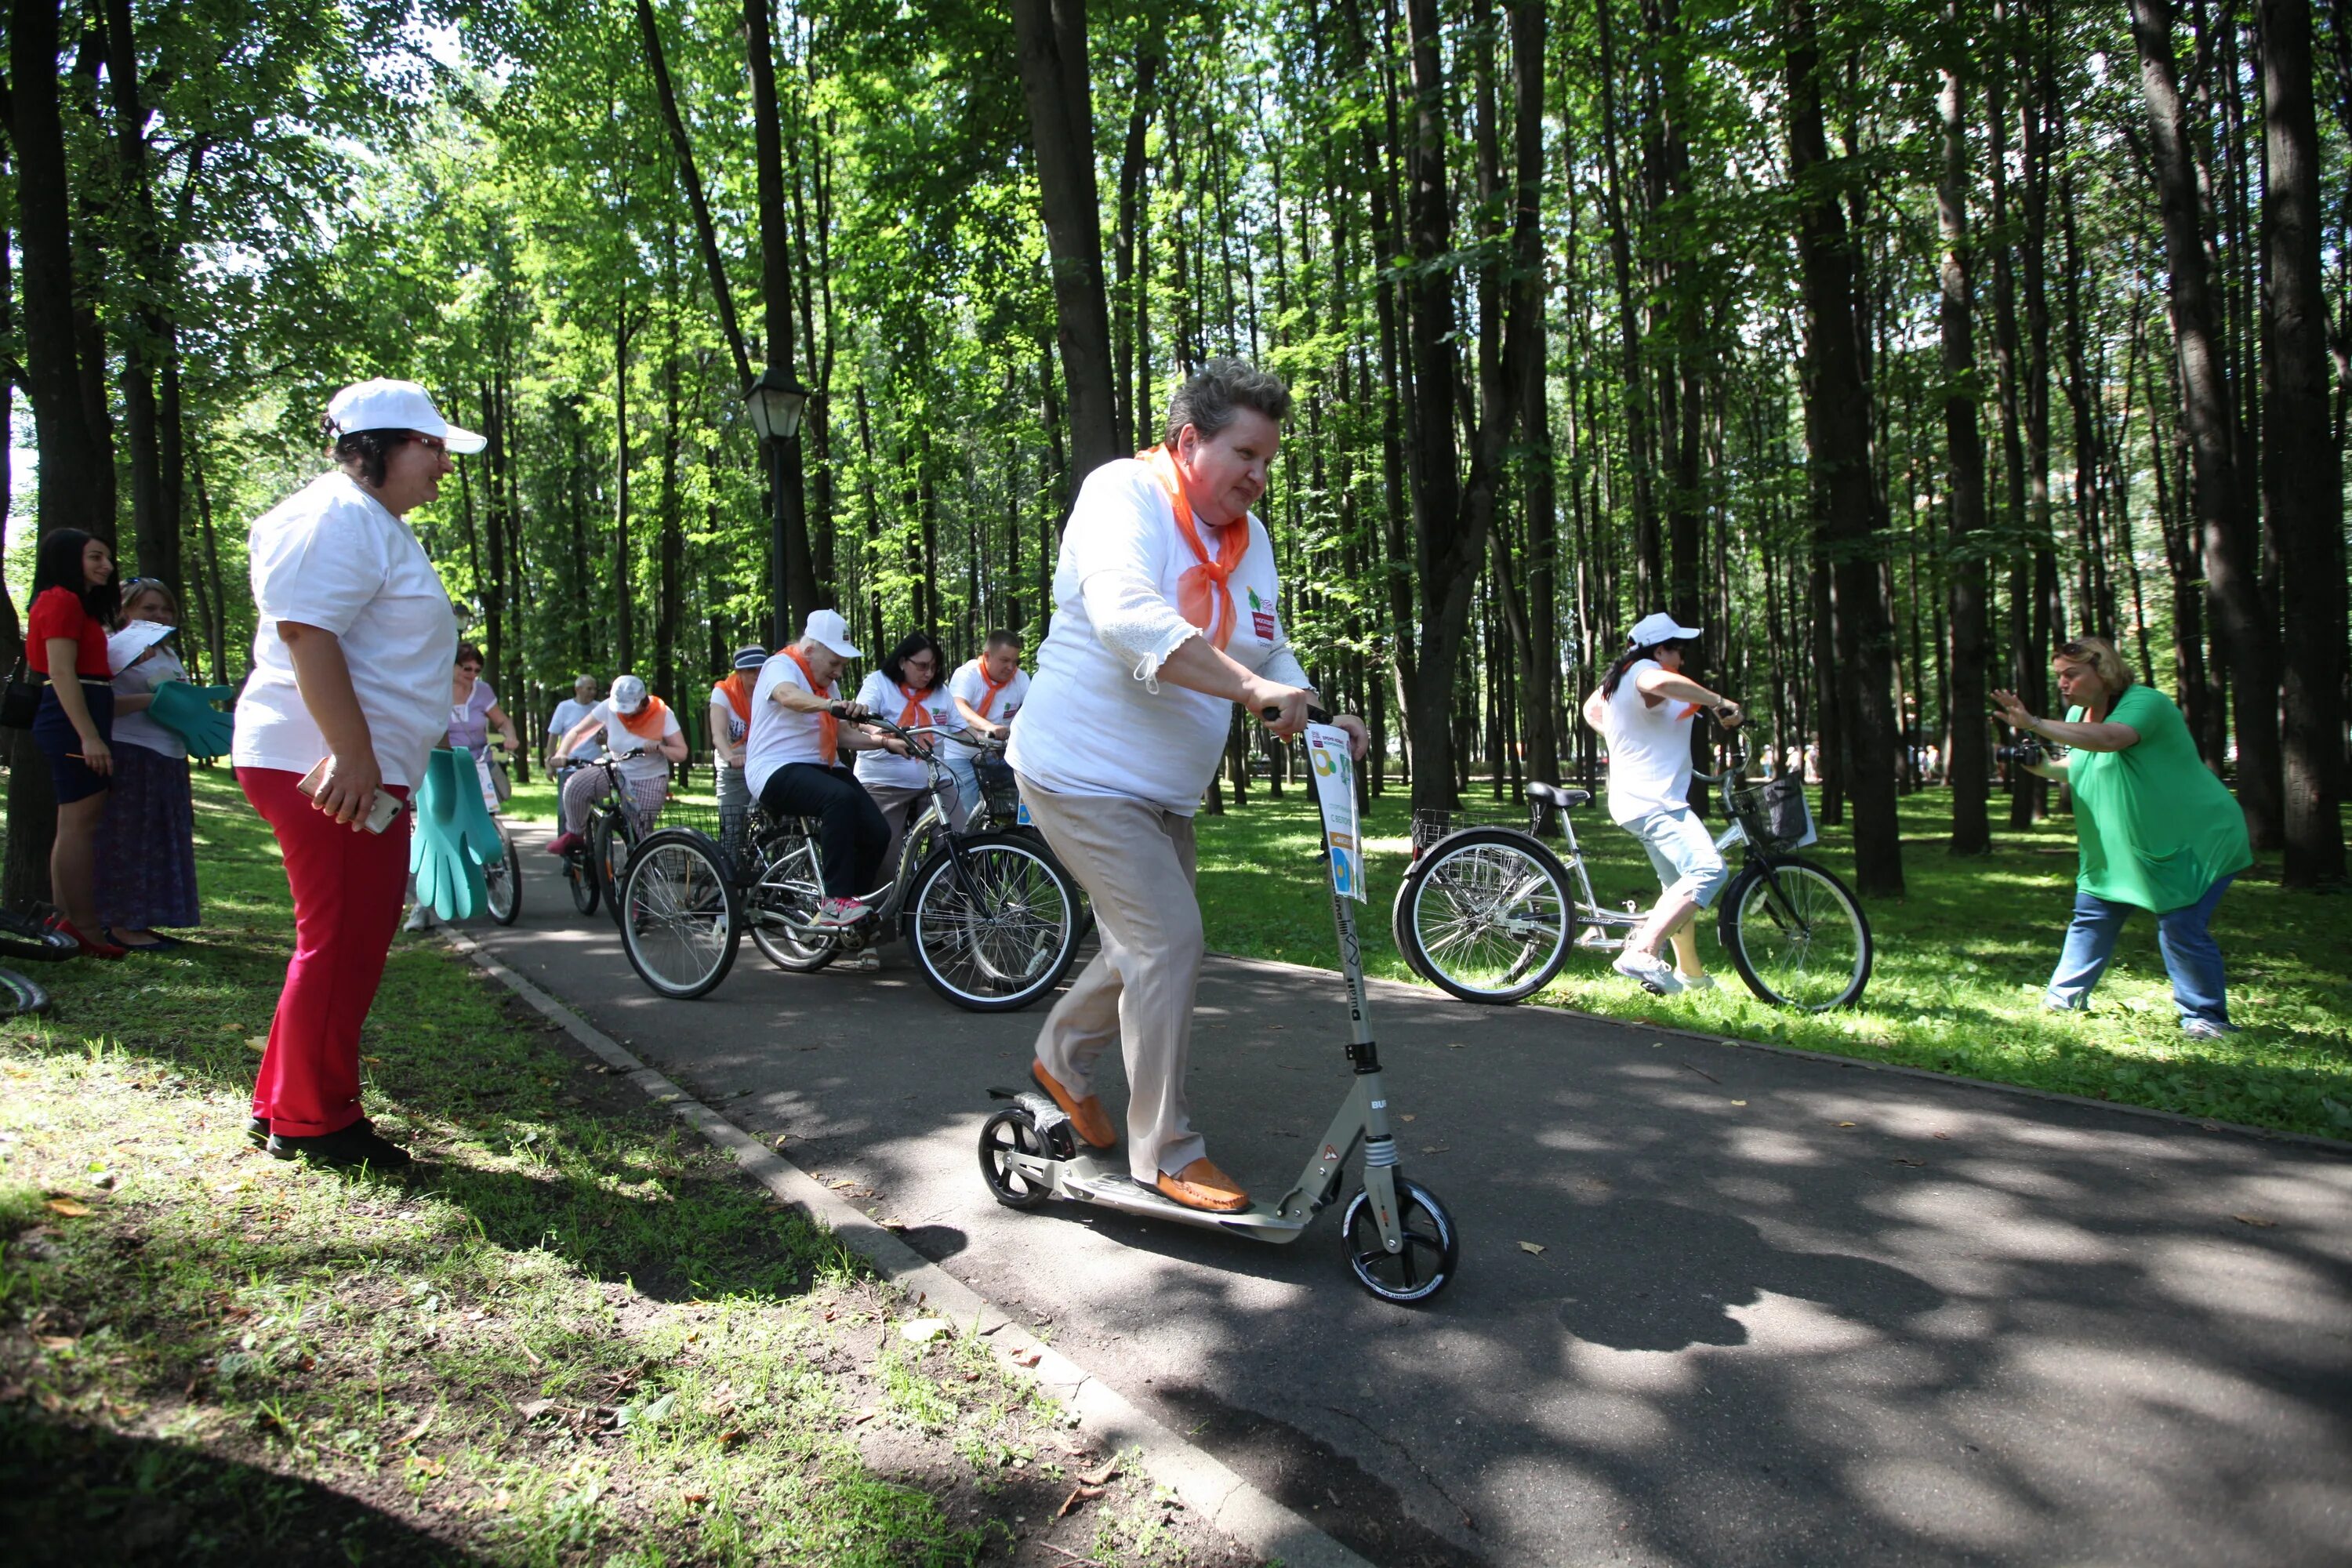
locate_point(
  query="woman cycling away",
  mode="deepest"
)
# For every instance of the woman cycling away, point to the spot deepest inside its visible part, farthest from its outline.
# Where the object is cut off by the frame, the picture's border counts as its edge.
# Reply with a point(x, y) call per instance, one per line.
point(1643, 710)
point(631, 718)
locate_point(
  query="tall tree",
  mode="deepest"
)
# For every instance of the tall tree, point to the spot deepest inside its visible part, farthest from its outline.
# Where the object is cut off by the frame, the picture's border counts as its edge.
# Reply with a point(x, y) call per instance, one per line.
point(1965, 554)
point(794, 571)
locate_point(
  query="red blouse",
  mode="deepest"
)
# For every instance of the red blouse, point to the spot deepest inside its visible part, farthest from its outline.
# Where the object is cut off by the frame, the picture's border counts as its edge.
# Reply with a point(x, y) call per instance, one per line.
point(58, 613)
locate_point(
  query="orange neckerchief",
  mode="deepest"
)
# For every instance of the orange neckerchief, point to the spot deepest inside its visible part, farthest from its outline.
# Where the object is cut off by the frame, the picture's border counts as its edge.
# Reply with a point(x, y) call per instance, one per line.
point(828, 728)
point(737, 689)
point(1202, 597)
point(994, 687)
point(645, 723)
point(914, 713)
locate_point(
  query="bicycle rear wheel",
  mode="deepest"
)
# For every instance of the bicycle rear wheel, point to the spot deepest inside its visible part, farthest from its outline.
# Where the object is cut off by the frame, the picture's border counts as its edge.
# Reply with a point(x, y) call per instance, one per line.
point(20, 995)
point(679, 919)
point(1487, 915)
point(504, 881)
point(1000, 935)
point(1796, 934)
point(790, 887)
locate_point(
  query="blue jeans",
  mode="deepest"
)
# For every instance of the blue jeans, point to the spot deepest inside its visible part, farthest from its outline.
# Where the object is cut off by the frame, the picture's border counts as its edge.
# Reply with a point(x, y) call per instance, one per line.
point(1682, 853)
point(2192, 956)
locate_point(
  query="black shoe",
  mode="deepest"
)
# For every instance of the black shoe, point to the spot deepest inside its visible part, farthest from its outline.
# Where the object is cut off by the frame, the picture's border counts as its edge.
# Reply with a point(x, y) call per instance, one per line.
point(358, 1144)
point(257, 1131)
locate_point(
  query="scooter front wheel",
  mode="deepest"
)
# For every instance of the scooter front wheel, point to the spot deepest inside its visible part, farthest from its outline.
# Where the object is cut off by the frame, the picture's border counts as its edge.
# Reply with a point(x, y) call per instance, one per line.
point(1010, 1132)
point(1416, 1271)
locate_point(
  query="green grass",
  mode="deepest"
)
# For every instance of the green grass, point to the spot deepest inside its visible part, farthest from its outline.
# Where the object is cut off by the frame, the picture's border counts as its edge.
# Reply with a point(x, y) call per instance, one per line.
point(575, 1334)
point(1960, 963)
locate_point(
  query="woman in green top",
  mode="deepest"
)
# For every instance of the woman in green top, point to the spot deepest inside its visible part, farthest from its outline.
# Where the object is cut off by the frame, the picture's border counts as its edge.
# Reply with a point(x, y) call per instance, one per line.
point(2158, 832)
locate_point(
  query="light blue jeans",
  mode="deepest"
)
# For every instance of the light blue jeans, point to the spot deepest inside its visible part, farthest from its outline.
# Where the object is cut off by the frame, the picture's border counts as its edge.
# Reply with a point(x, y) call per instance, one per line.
point(1683, 853)
point(2192, 956)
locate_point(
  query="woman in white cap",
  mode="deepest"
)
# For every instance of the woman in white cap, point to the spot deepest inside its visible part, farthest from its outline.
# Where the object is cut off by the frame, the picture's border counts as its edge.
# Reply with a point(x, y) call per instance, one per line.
point(350, 684)
point(631, 719)
point(1643, 709)
point(793, 762)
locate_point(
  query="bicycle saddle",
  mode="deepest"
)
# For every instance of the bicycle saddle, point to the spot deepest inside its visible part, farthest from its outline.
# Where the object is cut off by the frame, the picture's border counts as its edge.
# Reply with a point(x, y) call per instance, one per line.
point(1552, 794)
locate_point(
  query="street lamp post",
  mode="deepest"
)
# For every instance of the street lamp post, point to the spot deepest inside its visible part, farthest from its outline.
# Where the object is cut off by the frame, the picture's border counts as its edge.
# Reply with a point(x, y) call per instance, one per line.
point(776, 400)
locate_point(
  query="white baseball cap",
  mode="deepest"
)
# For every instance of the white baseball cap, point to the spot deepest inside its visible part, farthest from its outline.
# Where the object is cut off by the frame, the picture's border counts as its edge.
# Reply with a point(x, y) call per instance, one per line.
point(628, 694)
point(1652, 630)
point(382, 404)
point(827, 627)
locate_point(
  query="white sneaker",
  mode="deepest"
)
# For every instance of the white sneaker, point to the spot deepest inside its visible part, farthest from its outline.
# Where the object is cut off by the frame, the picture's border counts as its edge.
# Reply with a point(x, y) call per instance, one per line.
point(865, 960)
point(419, 919)
point(1696, 982)
point(1649, 970)
point(838, 912)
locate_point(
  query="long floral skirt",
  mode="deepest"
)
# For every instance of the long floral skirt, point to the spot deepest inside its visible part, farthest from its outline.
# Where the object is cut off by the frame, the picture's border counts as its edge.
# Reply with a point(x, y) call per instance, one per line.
point(147, 846)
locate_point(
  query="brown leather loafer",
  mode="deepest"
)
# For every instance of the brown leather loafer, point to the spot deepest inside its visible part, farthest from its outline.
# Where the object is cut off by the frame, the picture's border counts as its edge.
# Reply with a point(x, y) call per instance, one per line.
point(1201, 1186)
point(1087, 1115)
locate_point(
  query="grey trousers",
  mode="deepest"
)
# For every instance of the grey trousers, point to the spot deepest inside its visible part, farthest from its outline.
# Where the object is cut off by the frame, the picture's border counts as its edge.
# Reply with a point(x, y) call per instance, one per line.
point(1136, 861)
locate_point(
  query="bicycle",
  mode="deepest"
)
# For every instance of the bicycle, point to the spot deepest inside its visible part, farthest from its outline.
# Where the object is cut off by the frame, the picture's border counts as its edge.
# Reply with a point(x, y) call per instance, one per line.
point(1488, 913)
point(503, 878)
point(992, 917)
point(594, 867)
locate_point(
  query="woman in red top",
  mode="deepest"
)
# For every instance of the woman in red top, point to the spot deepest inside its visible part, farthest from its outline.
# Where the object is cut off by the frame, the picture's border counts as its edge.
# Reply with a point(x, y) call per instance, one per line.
point(65, 639)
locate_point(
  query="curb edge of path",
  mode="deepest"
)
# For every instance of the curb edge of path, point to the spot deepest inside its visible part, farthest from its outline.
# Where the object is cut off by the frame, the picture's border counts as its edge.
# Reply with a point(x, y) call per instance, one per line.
point(1209, 1488)
point(1862, 1064)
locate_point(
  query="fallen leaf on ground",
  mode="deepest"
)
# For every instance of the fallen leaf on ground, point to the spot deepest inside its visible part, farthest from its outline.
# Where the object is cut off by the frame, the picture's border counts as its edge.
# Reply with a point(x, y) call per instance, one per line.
point(1025, 1358)
point(1435, 1148)
point(257, 1042)
point(1071, 1501)
point(1845, 1125)
point(415, 1432)
point(532, 1409)
point(1532, 1247)
point(54, 1341)
point(1406, 1117)
point(1946, 1136)
point(2249, 1219)
point(732, 1436)
point(431, 1468)
point(67, 1207)
point(1738, 1102)
point(1903, 1161)
point(1100, 1477)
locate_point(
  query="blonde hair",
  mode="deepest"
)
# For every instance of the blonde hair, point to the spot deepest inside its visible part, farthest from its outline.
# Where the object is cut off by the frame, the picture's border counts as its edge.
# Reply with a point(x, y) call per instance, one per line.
point(138, 587)
point(2101, 655)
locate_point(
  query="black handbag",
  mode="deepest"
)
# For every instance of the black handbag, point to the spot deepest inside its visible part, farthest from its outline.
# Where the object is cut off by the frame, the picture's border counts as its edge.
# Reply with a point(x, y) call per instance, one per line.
point(21, 701)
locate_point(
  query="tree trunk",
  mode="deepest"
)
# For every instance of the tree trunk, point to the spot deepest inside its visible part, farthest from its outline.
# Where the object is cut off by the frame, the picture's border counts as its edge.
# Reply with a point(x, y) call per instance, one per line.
point(1967, 765)
point(71, 455)
point(2209, 415)
point(793, 570)
point(712, 260)
point(2302, 495)
point(1051, 38)
point(1839, 435)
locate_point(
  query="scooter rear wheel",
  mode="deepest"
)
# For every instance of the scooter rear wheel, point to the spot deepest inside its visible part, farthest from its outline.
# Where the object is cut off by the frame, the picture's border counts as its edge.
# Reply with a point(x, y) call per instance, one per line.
point(1426, 1263)
point(1009, 1133)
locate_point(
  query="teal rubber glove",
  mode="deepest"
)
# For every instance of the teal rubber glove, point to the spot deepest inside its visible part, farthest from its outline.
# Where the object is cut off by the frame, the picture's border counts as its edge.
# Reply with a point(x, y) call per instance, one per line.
point(449, 877)
point(188, 713)
point(478, 830)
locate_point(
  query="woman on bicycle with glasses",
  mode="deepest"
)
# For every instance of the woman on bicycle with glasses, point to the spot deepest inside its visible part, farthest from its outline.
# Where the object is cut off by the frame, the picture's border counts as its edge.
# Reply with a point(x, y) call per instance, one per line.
point(911, 689)
point(1643, 709)
point(631, 719)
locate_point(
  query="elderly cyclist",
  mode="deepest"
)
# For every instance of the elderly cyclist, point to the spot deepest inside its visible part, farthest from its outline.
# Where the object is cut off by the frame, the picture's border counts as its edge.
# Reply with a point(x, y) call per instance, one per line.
point(632, 719)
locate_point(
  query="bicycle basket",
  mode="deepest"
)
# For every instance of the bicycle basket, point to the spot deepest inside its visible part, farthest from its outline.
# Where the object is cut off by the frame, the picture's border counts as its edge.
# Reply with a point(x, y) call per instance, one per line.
point(999, 792)
point(1429, 825)
point(1775, 813)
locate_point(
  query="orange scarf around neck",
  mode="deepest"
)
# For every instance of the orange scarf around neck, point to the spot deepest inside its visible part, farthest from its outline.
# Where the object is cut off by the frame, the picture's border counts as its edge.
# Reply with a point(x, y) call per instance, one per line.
point(914, 712)
point(645, 723)
point(828, 728)
point(989, 700)
point(1202, 596)
point(737, 689)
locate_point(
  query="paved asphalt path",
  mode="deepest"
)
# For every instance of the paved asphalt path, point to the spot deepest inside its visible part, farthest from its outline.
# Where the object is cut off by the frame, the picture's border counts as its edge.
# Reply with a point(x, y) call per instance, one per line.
point(1786, 1310)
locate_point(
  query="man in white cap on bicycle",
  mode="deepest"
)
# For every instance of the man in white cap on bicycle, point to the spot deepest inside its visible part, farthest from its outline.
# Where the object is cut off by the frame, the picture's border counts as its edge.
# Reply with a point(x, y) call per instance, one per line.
point(791, 760)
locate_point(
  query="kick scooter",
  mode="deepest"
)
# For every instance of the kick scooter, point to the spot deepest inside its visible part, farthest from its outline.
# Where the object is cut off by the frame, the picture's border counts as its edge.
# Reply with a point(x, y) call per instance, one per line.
point(1400, 1241)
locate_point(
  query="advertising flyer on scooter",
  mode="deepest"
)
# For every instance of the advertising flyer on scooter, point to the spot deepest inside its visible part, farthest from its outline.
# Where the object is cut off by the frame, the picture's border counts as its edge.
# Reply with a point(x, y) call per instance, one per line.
point(1335, 789)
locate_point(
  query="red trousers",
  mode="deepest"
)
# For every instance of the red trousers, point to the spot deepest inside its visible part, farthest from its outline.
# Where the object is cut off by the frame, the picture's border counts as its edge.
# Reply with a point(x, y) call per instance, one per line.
point(348, 888)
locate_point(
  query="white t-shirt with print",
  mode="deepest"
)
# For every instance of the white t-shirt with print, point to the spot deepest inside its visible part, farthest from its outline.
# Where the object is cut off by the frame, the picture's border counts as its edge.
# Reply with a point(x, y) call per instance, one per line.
point(620, 738)
point(1093, 724)
point(971, 685)
point(780, 735)
point(1649, 749)
point(331, 556)
point(568, 712)
point(881, 695)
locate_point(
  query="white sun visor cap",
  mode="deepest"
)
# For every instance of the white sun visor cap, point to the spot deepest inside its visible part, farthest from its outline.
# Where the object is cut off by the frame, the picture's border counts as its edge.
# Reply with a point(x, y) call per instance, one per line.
point(827, 627)
point(628, 694)
point(382, 404)
point(1652, 630)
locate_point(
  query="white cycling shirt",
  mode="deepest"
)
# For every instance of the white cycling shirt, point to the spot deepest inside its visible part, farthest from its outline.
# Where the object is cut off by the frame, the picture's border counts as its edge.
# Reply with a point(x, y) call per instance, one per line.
point(1649, 749)
point(881, 694)
point(619, 739)
point(971, 685)
point(778, 735)
point(1098, 721)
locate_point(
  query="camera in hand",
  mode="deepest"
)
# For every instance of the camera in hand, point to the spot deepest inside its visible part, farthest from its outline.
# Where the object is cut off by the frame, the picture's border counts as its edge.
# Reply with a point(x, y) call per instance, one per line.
point(2024, 754)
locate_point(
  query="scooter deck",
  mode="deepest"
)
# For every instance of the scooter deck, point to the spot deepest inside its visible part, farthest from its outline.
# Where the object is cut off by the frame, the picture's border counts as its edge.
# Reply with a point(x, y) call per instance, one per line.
point(1088, 1180)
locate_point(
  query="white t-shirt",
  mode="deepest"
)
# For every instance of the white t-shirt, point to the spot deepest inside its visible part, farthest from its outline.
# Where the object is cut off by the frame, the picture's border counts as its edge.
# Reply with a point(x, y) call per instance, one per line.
point(779, 735)
point(1649, 750)
point(331, 556)
point(881, 694)
point(1096, 722)
point(568, 712)
point(971, 685)
point(620, 738)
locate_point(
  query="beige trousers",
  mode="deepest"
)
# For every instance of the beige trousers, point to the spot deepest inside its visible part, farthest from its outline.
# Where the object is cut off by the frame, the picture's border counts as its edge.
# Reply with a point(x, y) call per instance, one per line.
point(1135, 860)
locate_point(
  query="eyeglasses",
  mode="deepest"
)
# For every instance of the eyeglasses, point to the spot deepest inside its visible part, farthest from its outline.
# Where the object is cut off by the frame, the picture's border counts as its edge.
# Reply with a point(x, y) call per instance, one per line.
point(433, 444)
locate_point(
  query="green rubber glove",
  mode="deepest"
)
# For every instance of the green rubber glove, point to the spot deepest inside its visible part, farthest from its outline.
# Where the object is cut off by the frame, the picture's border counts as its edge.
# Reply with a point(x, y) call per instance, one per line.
point(188, 713)
point(449, 877)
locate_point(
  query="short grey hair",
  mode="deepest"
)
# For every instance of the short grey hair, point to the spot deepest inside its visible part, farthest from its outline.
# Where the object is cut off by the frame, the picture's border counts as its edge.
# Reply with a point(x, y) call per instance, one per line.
point(1214, 395)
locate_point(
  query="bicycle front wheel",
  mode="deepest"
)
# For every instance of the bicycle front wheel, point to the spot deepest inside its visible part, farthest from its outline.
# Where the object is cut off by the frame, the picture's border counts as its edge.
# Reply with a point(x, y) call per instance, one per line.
point(1796, 934)
point(1001, 933)
point(1487, 915)
point(680, 918)
point(504, 881)
point(611, 849)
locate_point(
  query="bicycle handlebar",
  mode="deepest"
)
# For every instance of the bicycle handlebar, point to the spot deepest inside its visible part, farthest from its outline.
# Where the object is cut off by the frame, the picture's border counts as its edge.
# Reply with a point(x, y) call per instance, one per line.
point(1314, 715)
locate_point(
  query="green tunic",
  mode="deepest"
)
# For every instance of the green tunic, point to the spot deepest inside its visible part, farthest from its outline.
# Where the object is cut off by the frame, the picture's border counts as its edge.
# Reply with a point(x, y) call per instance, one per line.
point(2156, 828)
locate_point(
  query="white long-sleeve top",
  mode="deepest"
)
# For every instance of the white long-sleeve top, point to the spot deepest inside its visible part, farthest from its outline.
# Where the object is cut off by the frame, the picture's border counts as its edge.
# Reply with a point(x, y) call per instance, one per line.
point(1098, 721)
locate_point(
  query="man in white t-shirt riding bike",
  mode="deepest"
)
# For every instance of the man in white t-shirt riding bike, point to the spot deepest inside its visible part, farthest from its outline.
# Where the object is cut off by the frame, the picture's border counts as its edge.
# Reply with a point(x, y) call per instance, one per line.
point(988, 691)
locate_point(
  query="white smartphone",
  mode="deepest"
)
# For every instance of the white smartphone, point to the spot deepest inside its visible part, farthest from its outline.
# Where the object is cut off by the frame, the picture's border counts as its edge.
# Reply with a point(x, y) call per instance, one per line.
point(381, 810)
